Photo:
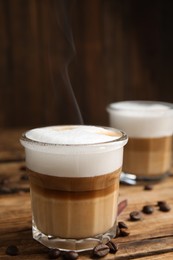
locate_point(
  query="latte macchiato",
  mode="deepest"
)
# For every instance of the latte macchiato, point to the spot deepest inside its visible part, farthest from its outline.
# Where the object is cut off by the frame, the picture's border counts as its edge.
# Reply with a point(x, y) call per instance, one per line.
point(149, 126)
point(74, 178)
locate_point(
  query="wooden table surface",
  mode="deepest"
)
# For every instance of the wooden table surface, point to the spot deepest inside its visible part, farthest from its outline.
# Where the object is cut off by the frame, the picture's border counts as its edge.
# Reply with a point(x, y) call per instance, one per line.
point(150, 238)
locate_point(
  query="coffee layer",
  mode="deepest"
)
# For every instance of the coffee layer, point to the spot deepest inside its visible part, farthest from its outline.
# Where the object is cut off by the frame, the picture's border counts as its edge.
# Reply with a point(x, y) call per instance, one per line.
point(148, 156)
point(74, 184)
point(74, 218)
point(82, 212)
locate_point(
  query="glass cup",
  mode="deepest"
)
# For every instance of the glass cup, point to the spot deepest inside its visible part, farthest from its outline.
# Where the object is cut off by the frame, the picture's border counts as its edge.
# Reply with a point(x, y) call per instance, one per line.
point(74, 187)
point(149, 126)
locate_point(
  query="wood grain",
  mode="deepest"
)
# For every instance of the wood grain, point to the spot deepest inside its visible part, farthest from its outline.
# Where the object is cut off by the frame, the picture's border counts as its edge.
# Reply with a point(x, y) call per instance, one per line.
point(123, 50)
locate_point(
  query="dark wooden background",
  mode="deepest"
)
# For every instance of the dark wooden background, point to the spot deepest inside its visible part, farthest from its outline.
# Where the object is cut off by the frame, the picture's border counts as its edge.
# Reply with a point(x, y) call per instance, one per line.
point(113, 49)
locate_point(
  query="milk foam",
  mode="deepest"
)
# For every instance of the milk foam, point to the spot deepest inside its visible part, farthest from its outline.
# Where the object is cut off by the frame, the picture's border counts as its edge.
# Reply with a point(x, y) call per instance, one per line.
point(81, 151)
point(72, 135)
point(142, 119)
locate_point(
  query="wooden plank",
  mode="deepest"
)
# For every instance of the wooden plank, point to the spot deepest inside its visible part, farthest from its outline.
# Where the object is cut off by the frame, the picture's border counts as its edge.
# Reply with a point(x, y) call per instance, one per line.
point(167, 256)
point(31, 249)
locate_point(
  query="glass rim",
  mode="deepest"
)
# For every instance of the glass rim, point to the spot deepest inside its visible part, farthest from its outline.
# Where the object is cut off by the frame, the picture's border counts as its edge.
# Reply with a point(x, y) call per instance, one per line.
point(110, 107)
point(122, 138)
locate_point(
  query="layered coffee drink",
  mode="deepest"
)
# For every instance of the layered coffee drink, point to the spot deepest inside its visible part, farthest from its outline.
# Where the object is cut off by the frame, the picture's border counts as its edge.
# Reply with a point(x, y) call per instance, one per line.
point(149, 126)
point(74, 178)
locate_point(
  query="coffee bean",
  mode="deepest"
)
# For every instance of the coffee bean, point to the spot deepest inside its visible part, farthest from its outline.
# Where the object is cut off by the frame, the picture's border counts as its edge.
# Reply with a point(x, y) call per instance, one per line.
point(24, 177)
point(12, 250)
point(113, 247)
point(135, 216)
point(117, 231)
point(22, 168)
point(70, 255)
point(148, 187)
point(123, 232)
point(54, 253)
point(100, 250)
point(147, 209)
point(161, 202)
point(121, 224)
point(164, 207)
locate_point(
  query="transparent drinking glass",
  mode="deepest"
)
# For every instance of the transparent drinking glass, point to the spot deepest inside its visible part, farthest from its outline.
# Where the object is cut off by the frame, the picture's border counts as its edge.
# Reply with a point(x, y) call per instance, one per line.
point(74, 190)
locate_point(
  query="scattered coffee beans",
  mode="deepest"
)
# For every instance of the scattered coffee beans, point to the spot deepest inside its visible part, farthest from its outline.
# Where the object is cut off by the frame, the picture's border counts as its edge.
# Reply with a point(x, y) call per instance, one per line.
point(117, 231)
point(161, 202)
point(70, 255)
point(24, 177)
point(121, 224)
point(101, 250)
point(147, 209)
point(113, 247)
point(12, 250)
point(123, 232)
point(54, 253)
point(22, 168)
point(148, 187)
point(163, 206)
point(135, 216)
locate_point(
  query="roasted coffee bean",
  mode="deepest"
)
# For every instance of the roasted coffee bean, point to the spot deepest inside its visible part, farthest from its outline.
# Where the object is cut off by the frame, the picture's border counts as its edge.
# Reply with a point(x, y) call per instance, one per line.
point(121, 224)
point(24, 177)
point(100, 250)
point(164, 207)
point(70, 255)
point(117, 231)
point(147, 209)
point(113, 247)
point(161, 202)
point(54, 253)
point(148, 187)
point(22, 168)
point(12, 250)
point(123, 232)
point(135, 216)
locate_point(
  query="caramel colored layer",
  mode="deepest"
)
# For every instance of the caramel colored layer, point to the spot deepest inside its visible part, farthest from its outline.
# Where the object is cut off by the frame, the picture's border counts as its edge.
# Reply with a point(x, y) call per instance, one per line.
point(74, 184)
point(148, 156)
point(73, 195)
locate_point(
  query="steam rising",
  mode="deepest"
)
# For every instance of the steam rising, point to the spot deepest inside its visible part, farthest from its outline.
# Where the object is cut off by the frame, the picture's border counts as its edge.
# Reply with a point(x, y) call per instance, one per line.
point(62, 9)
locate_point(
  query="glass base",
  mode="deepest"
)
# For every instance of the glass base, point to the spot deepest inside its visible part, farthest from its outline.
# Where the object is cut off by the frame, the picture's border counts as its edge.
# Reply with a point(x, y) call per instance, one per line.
point(77, 245)
point(132, 179)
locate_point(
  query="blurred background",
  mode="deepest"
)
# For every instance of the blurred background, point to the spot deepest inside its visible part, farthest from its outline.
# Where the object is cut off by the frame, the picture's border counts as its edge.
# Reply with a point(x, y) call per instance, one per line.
point(106, 50)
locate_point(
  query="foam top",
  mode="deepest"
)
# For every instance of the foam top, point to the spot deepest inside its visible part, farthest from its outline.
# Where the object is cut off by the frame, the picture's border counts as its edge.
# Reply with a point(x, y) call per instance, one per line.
point(72, 135)
point(74, 151)
point(142, 118)
point(141, 108)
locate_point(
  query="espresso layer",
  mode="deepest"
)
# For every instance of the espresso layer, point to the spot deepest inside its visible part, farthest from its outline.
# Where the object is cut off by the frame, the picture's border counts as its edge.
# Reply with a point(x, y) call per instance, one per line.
point(72, 195)
point(148, 156)
point(74, 184)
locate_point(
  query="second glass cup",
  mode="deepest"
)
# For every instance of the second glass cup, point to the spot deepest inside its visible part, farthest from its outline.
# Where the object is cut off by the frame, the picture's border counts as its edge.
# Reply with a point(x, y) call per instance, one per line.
point(149, 126)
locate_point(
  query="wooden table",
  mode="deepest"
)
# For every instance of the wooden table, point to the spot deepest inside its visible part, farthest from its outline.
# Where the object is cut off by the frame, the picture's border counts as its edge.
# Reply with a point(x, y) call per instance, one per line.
point(150, 238)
